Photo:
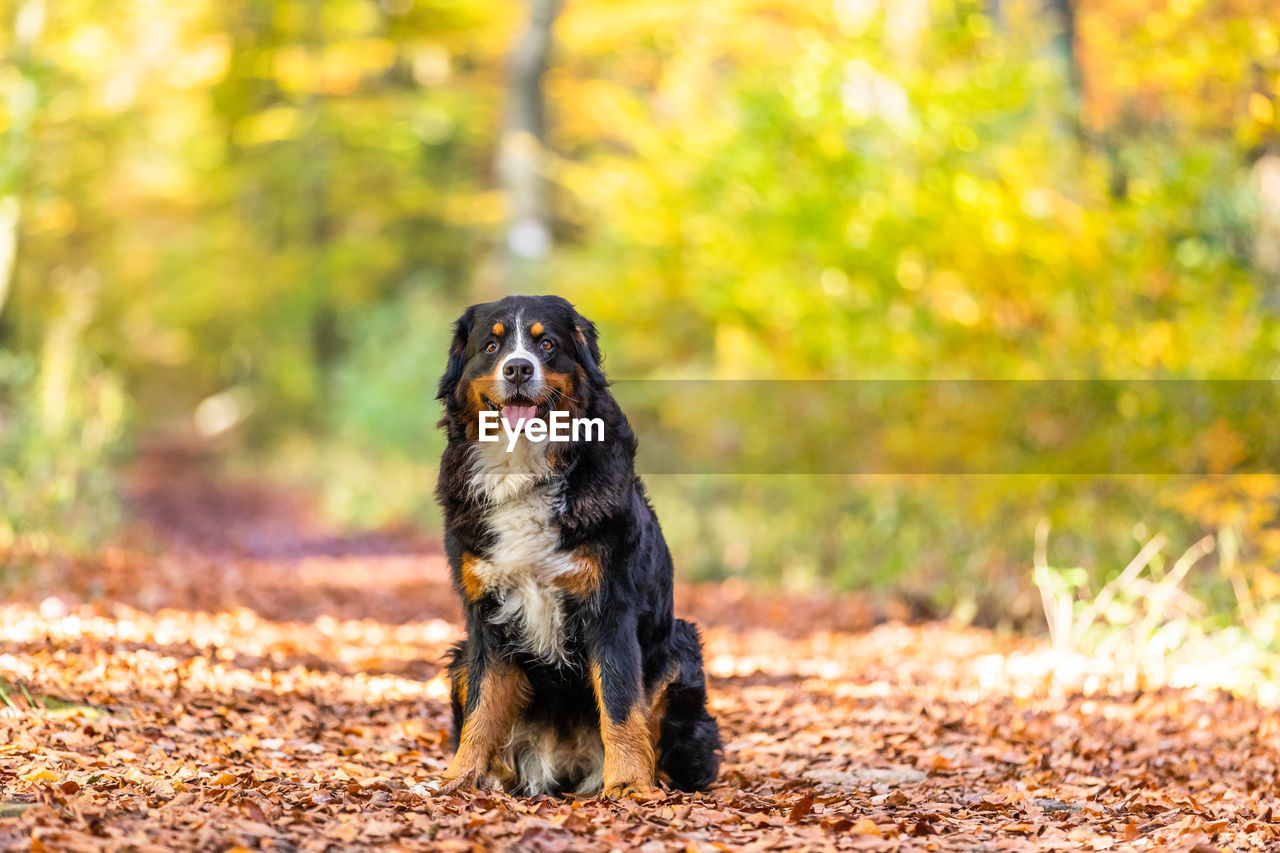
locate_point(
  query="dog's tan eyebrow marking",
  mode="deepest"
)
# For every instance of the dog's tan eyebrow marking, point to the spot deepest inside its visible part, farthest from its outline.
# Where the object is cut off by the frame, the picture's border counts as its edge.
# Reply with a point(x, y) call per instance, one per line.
point(498, 329)
point(535, 329)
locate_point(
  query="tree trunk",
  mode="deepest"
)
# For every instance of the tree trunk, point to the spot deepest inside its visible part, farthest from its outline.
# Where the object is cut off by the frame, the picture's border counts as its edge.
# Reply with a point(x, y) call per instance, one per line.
point(520, 150)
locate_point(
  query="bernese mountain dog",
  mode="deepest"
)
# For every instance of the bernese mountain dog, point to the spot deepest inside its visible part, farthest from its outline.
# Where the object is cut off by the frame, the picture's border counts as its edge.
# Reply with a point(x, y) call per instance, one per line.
point(574, 677)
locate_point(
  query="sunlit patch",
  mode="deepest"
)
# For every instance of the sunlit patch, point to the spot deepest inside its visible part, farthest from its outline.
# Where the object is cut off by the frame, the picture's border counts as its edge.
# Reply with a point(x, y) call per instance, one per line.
point(437, 688)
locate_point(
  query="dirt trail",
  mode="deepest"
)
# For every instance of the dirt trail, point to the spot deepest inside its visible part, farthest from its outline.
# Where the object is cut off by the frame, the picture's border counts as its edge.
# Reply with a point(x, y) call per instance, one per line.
point(258, 682)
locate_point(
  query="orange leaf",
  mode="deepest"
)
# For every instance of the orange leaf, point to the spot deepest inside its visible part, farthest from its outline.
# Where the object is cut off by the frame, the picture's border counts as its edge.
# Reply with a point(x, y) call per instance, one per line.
point(1020, 828)
point(866, 826)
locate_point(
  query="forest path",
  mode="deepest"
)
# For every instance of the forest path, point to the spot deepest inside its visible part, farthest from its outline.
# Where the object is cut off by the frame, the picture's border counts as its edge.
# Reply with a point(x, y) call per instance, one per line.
point(257, 682)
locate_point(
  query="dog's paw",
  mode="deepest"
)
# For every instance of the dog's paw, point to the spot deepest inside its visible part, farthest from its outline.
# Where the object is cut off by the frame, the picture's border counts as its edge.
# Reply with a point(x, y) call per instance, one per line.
point(634, 789)
point(454, 784)
point(461, 781)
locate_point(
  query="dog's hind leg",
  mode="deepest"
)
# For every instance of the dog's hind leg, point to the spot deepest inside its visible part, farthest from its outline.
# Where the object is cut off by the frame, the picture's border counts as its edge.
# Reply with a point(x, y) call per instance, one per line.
point(689, 739)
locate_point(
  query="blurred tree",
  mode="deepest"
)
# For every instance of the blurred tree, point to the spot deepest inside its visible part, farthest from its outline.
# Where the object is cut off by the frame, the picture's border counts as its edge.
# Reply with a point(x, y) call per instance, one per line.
point(21, 104)
point(521, 161)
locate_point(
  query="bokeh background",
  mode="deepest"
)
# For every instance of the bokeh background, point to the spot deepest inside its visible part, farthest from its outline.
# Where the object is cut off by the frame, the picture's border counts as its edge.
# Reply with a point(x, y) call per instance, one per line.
point(249, 224)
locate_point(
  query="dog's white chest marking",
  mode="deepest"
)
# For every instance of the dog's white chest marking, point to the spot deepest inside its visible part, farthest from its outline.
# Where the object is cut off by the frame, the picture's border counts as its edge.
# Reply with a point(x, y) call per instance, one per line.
point(525, 559)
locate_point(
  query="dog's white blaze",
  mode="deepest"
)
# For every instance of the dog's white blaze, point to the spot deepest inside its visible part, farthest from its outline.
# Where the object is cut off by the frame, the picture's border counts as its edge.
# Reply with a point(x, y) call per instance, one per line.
point(526, 556)
point(521, 350)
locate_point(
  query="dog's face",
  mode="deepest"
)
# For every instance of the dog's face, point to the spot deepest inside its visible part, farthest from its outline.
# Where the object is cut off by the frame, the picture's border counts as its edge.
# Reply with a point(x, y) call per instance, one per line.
point(522, 356)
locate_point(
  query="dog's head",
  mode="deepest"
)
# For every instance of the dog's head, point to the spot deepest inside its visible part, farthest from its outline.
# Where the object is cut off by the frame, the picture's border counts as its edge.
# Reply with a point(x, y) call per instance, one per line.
point(522, 356)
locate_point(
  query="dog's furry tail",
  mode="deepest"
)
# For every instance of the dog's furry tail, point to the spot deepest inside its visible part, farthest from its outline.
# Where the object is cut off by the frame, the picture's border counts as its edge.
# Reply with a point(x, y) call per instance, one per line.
point(689, 745)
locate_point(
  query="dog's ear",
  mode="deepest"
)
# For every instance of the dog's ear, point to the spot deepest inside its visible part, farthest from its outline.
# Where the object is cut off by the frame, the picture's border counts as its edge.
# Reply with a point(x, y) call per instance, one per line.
point(457, 354)
point(586, 343)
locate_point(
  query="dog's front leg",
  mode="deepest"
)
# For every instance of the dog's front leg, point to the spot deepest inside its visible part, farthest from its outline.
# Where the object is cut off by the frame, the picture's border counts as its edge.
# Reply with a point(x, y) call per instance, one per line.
point(496, 693)
point(624, 726)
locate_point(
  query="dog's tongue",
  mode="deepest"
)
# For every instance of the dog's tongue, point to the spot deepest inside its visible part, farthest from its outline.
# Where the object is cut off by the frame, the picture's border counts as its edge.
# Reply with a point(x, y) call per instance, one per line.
point(513, 414)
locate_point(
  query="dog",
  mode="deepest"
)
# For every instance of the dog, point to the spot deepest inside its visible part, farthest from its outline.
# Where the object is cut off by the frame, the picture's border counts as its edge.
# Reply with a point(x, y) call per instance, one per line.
point(575, 677)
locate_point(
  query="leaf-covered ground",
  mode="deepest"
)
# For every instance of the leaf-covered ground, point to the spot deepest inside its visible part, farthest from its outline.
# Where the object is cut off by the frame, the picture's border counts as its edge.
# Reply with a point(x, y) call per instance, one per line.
point(256, 684)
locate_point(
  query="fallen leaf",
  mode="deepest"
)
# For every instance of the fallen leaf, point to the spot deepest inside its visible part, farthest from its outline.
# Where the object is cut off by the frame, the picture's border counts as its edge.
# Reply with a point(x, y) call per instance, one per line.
point(802, 809)
point(866, 826)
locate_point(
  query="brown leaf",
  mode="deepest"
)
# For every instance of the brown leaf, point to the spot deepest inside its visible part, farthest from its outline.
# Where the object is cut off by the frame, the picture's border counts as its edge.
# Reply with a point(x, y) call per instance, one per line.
point(802, 809)
point(922, 828)
point(1020, 828)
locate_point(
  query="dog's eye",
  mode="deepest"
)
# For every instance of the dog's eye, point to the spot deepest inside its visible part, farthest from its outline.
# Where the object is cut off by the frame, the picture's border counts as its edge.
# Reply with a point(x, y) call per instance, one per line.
point(492, 346)
point(546, 345)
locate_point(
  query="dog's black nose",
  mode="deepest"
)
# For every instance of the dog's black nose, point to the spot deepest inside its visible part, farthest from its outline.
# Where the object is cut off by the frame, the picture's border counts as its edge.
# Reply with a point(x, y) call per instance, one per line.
point(518, 370)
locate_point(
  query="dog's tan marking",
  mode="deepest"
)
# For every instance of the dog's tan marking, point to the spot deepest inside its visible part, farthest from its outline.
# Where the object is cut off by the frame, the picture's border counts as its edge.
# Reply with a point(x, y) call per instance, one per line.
point(535, 329)
point(472, 585)
point(471, 395)
point(562, 382)
point(658, 703)
point(657, 710)
point(498, 328)
point(584, 579)
point(628, 746)
point(568, 399)
point(503, 694)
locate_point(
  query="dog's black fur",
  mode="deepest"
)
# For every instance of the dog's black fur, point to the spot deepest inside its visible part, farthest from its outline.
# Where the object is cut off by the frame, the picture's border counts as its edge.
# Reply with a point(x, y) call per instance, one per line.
point(557, 711)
